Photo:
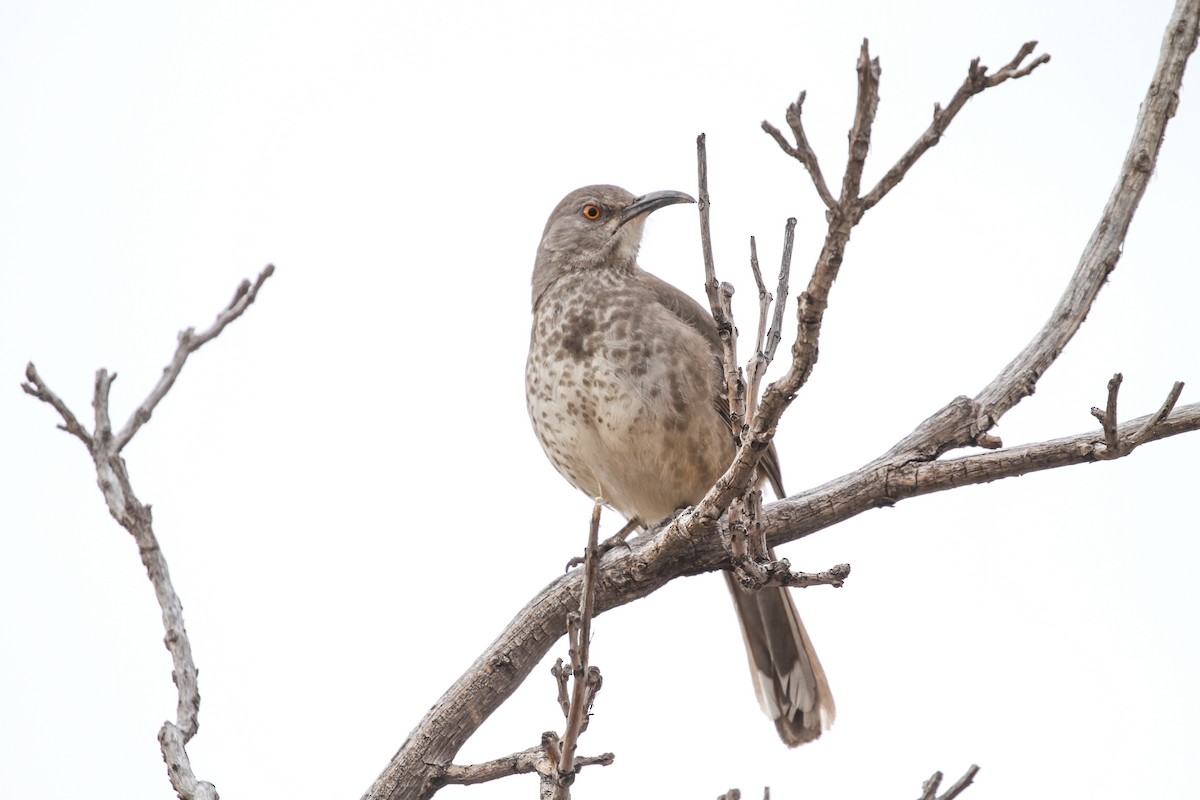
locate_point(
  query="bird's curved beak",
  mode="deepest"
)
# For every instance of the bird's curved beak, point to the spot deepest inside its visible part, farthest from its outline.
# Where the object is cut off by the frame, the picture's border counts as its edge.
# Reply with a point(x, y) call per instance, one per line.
point(652, 202)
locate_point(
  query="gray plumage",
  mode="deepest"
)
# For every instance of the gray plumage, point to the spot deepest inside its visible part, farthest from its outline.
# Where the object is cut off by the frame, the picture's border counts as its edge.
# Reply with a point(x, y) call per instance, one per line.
point(625, 391)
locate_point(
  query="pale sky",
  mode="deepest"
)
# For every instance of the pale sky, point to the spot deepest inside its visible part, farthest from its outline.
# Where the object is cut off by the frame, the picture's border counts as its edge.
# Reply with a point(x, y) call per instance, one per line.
point(346, 485)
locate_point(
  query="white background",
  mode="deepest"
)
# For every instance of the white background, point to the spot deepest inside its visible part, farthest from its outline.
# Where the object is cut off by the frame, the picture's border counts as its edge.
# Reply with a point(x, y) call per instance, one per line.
point(345, 483)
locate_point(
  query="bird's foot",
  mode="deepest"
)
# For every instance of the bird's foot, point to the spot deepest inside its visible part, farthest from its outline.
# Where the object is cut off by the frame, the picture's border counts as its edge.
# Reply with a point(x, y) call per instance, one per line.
point(616, 540)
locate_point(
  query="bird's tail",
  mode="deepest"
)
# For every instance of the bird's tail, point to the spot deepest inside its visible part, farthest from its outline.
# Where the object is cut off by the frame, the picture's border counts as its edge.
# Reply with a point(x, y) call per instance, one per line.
point(788, 678)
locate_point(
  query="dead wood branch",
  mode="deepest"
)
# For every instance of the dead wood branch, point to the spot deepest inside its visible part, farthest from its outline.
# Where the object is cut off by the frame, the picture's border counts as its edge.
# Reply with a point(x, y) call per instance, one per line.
point(909, 468)
point(930, 787)
point(521, 763)
point(1114, 445)
point(1017, 380)
point(554, 760)
point(585, 678)
point(628, 574)
point(133, 515)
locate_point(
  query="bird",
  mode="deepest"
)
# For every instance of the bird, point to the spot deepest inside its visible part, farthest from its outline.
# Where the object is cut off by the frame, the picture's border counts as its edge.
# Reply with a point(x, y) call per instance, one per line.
point(625, 391)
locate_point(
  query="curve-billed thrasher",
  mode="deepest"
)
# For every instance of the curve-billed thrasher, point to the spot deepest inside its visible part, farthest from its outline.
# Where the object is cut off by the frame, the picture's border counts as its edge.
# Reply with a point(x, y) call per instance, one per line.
point(625, 390)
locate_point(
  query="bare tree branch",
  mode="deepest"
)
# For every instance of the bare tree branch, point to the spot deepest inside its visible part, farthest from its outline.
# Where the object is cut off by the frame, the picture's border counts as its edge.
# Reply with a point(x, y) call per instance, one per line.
point(888, 480)
point(521, 763)
point(585, 678)
point(814, 300)
point(779, 573)
point(976, 81)
point(719, 298)
point(1103, 249)
point(650, 562)
point(960, 785)
point(135, 517)
point(1108, 417)
point(765, 351)
point(928, 788)
point(190, 342)
point(759, 361)
point(1145, 432)
point(860, 132)
point(908, 469)
point(37, 388)
point(803, 151)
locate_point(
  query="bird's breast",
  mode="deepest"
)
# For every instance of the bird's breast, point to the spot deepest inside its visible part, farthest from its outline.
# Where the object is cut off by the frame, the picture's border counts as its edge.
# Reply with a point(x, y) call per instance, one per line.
point(621, 396)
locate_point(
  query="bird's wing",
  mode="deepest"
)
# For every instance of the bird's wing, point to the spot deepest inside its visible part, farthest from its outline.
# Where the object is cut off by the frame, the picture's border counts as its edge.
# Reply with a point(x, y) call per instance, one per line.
point(684, 307)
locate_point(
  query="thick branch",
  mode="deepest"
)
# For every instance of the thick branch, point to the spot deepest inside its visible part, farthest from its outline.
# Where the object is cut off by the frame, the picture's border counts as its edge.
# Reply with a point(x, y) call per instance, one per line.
point(1103, 249)
point(628, 574)
point(885, 482)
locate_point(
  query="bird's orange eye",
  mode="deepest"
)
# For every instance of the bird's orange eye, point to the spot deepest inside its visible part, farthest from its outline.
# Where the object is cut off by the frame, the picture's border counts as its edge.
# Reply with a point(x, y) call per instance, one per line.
point(591, 211)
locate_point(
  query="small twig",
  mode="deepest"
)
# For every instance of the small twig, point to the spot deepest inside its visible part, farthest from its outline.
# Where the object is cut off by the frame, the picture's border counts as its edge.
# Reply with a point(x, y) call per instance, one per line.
point(1148, 429)
point(764, 298)
point(586, 678)
point(1108, 417)
point(759, 361)
point(719, 297)
point(1013, 69)
point(961, 784)
point(976, 81)
point(765, 349)
point(735, 386)
point(1114, 445)
point(561, 676)
point(37, 388)
point(930, 786)
point(702, 204)
point(864, 118)
point(803, 151)
point(521, 763)
point(736, 794)
point(781, 292)
point(779, 573)
point(190, 342)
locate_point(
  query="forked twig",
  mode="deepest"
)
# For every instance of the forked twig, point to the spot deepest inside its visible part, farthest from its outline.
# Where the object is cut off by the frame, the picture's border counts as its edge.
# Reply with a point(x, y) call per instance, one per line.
point(844, 215)
point(113, 477)
point(1114, 445)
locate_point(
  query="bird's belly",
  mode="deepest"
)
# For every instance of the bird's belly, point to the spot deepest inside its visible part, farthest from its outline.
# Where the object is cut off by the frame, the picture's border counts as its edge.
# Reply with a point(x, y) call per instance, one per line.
point(619, 424)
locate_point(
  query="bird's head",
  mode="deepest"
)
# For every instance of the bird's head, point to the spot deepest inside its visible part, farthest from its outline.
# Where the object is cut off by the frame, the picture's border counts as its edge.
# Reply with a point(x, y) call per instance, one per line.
point(596, 227)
